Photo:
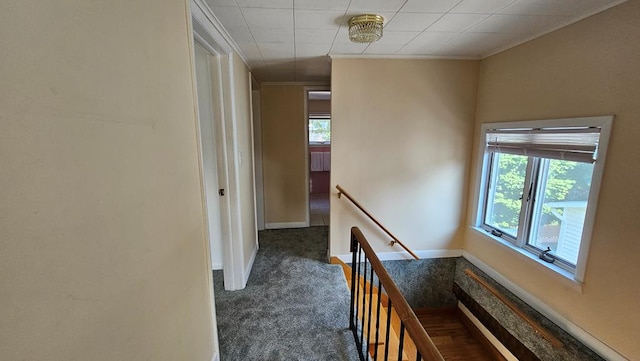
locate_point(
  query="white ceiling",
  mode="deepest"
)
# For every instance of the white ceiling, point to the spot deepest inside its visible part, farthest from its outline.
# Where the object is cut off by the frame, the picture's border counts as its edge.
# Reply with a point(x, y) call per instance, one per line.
point(290, 40)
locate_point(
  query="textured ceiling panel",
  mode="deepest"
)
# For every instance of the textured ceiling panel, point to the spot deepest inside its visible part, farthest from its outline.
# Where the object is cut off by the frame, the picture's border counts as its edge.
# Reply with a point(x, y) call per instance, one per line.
point(290, 40)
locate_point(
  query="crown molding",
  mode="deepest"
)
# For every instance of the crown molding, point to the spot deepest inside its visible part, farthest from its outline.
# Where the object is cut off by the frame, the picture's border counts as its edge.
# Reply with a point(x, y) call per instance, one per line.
point(205, 20)
point(400, 57)
point(552, 29)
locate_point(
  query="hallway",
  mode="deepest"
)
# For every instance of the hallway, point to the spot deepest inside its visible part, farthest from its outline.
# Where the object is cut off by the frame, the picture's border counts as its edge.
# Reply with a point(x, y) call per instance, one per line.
point(319, 209)
point(295, 305)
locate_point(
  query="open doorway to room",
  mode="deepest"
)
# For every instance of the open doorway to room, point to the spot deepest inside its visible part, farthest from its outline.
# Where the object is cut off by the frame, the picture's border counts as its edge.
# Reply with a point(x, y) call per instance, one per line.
point(206, 74)
point(319, 148)
point(207, 77)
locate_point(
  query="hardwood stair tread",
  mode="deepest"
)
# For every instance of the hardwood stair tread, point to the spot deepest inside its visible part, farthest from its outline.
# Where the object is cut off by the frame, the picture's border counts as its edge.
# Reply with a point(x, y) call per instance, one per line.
point(452, 338)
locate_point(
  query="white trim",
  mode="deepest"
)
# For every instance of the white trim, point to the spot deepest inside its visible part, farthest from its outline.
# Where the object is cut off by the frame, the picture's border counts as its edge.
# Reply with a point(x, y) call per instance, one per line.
point(558, 273)
point(399, 256)
point(346, 258)
point(206, 43)
point(229, 261)
point(286, 225)
point(254, 81)
point(392, 56)
point(253, 162)
point(296, 83)
point(592, 203)
point(307, 170)
point(247, 271)
point(318, 144)
point(487, 334)
point(216, 266)
point(205, 18)
point(191, 32)
point(214, 37)
point(233, 185)
point(306, 90)
point(557, 27)
point(256, 108)
point(583, 336)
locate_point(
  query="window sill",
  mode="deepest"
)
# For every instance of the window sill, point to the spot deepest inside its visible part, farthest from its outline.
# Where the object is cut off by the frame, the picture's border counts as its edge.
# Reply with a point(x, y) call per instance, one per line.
point(566, 277)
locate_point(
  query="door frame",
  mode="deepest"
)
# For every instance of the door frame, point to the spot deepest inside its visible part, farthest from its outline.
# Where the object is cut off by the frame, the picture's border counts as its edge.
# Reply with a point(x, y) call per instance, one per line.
point(307, 89)
point(206, 29)
point(212, 36)
point(208, 136)
point(206, 191)
point(257, 158)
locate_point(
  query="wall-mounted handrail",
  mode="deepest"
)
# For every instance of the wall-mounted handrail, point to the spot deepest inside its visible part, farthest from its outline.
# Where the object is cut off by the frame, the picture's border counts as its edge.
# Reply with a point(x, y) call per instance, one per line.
point(535, 325)
point(424, 346)
point(395, 240)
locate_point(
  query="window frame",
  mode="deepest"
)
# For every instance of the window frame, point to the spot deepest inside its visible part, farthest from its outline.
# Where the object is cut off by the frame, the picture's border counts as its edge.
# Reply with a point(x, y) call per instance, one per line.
point(521, 242)
point(318, 117)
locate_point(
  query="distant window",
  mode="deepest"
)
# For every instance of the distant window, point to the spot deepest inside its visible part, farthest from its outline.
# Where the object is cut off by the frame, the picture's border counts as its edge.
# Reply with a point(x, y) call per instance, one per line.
point(320, 130)
point(539, 186)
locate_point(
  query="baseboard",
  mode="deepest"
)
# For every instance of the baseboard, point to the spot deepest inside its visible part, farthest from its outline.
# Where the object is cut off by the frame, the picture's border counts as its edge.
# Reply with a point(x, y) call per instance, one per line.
point(398, 256)
point(216, 266)
point(586, 338)
point(485, 335)
point(247, 270)
point(286, 225)
point(216, 356)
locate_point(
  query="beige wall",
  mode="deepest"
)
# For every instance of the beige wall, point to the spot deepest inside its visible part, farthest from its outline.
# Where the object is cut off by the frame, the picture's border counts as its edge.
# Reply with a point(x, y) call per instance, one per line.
point(400, 145)
point(244, 128)
point(102, 253)
point(589, 68)
point(284, 153)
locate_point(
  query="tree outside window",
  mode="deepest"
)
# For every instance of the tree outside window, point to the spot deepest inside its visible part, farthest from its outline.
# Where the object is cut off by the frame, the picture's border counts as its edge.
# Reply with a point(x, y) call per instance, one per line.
point(319, 130)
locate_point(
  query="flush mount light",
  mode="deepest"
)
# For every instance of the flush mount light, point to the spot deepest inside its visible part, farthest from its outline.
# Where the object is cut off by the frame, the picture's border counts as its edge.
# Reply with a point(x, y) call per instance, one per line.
point(365, 28)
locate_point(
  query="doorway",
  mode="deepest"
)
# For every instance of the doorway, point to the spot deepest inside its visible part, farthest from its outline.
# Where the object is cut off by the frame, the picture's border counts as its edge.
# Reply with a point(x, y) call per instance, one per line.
point(318, 115)
point(204, 62)
point(206, 68)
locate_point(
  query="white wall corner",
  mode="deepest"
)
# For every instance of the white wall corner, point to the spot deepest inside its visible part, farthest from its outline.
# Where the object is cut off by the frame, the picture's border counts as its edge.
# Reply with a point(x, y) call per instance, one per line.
point(583, 336)
point(216, 356)
point(204, 16)
point(247, 271)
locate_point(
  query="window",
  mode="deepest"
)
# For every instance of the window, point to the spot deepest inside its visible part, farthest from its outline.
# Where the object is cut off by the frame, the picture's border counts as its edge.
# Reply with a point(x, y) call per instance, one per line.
point(539, 186)
point(319, 129)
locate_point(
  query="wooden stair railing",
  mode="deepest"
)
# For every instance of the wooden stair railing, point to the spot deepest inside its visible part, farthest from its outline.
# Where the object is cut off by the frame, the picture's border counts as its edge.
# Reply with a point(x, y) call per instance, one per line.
point(383, 330)
point(454, 334)
point(395, 240)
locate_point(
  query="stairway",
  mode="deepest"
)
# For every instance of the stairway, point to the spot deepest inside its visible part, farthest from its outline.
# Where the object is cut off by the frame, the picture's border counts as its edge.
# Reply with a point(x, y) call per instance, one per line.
point(454, 335)
point(385, 347)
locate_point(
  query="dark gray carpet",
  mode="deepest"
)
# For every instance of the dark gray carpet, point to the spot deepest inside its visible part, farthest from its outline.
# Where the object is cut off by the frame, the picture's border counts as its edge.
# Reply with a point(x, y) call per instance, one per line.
point(295, 305)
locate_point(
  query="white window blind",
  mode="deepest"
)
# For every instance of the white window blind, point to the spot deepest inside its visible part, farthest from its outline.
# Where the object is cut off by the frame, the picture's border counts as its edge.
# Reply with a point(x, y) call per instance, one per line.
point(574, 144)
point(319, 115)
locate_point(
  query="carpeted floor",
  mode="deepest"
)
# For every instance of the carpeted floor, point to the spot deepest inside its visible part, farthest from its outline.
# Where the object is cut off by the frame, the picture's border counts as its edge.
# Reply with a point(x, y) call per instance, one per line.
point(295, 305)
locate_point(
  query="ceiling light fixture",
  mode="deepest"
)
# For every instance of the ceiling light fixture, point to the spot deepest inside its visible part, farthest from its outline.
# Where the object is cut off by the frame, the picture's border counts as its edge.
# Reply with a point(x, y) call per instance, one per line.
point(365, 28)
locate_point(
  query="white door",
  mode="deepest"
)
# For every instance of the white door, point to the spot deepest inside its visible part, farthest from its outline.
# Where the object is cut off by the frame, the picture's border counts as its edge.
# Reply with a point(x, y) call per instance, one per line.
point(209, 160)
